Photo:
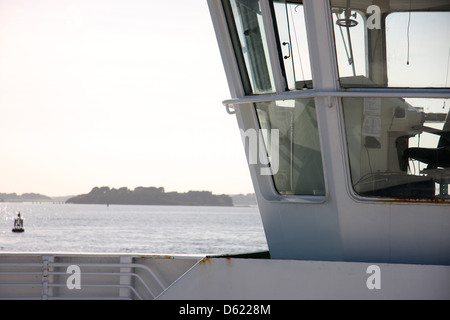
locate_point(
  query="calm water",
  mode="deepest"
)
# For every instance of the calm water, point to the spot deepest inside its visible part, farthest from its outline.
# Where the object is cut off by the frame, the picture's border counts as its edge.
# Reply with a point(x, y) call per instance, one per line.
point(122, 228)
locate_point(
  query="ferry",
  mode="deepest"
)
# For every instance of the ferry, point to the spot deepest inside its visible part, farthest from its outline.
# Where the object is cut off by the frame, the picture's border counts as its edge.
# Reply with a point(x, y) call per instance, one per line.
point(344, 115)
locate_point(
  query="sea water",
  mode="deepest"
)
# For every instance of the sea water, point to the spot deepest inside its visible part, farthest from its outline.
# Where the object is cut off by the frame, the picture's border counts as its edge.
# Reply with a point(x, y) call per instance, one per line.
point(51, 227)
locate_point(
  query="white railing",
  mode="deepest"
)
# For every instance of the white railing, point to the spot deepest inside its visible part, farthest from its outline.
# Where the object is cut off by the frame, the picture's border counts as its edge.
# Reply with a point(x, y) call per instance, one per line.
point(348, 93)
point(101, 277)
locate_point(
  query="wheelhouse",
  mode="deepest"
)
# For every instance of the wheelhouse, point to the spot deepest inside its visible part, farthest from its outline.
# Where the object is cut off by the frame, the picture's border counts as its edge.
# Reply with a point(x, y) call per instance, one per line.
point(357, 93)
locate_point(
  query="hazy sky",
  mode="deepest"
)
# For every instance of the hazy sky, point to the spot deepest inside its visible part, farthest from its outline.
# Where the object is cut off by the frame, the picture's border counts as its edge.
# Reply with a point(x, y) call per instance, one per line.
point(114, 93)
point(127, 93)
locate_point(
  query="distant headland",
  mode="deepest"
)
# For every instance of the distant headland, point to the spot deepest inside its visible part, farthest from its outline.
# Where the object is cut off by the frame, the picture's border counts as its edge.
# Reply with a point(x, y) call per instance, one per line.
point(139, 196)
point(26, 197)
point(151, 196)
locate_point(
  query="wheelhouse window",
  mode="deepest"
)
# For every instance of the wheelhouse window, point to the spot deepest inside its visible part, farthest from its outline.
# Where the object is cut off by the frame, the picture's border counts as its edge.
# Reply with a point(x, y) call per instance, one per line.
point(393, 44)
point(399, 148)
point(293, 43)
point(418, 56)
point(249, 40)
point(299, 168)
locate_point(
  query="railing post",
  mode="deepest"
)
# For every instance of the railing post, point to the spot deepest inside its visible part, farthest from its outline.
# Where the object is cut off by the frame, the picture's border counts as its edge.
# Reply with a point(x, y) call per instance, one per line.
point(47, 277)
point(125, 279)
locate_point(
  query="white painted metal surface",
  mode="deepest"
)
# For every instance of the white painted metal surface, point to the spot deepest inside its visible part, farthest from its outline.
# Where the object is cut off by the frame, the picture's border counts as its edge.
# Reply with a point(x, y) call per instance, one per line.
point(265, 279)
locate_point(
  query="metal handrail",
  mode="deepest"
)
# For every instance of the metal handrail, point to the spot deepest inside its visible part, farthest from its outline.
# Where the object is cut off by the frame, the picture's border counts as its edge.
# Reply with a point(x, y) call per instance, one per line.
point(21, 264)
point(109, 265)
point(350, 93)
point(36, 284)
point(45, 265)
point(119, 286)
point(131, 274)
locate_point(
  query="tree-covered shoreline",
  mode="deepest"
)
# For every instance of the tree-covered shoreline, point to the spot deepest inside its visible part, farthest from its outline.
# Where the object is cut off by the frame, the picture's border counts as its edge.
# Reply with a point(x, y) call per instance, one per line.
point(26, 197)
point(150, 196)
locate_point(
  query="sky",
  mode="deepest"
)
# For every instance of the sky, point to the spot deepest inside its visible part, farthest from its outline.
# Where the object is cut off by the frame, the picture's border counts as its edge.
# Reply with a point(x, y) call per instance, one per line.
point(128, 93)
point(114, 93)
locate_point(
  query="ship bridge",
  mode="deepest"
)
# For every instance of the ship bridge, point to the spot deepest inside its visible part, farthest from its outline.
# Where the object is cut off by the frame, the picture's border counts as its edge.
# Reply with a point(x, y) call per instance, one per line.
point(343, 107)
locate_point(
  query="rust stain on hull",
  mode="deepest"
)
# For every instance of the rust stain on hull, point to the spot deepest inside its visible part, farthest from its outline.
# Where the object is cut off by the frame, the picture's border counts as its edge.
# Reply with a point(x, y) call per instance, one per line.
point(157, 257)
point(205, 260)
point(409, 200)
